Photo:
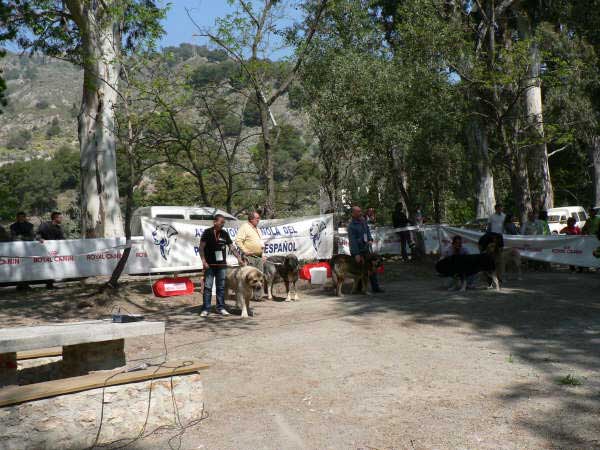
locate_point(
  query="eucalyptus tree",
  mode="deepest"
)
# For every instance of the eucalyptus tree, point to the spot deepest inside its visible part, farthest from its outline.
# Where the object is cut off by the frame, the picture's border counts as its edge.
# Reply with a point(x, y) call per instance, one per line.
point(96, 35)
point(251, 35)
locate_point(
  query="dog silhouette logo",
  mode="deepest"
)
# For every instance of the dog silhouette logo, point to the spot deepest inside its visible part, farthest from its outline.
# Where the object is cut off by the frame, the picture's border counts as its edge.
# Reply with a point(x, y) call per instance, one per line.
point(317, 230)
point(164, 236)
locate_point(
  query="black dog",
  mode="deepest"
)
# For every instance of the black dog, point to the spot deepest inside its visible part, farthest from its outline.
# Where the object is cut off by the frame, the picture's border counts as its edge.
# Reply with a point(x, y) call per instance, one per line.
point(287, 268)
point(463, 266)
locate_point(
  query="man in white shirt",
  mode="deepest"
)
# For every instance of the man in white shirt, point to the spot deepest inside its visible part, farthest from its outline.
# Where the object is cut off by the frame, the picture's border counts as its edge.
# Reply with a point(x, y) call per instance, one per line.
point(496, 221)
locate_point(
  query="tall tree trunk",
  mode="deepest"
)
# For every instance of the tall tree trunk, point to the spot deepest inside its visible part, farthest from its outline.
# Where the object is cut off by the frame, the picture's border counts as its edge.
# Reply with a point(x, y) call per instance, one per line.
point(100, 210)
point(539, 170)
point(594, 152)
point(477, 139)
point(269, 211)
point(519, 175)
point(398, 177)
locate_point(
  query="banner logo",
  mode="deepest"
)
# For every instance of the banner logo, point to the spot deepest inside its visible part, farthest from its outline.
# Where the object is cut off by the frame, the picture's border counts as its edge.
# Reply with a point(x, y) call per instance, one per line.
point(316, 231)
point(164, 235)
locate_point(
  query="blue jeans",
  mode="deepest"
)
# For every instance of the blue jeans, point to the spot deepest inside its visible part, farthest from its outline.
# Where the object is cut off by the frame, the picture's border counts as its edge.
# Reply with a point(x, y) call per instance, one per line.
point(212, 274)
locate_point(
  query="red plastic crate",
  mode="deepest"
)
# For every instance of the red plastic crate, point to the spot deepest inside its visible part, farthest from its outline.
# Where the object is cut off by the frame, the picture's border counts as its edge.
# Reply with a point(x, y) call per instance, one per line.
point(172, 287)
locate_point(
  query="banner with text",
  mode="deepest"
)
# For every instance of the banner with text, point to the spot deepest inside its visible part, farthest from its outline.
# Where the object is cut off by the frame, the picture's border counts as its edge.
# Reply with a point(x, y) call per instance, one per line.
point(581, 251)
point(73, 258)
point(174, 245)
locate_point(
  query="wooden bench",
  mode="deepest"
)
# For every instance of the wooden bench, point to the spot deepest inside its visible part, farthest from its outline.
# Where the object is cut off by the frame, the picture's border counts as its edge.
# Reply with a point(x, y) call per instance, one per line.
point(86, 346)
point(42, 353)
point(12, 395)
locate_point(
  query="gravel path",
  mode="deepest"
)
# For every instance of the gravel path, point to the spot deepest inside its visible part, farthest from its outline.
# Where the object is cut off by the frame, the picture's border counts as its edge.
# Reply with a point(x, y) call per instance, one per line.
point(416, 367)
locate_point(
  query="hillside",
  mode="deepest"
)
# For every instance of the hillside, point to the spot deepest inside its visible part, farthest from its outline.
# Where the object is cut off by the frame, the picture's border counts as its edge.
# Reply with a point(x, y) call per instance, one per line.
point(43, 101)
point(44, 95)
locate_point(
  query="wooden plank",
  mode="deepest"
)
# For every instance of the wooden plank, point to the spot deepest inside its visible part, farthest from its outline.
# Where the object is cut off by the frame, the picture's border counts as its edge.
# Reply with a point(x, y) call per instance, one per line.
point(43, 353)
point(11, 395)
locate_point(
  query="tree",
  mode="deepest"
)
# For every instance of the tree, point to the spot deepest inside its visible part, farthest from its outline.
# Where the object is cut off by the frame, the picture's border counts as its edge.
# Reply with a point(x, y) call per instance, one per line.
point(246, 35)
point(97, 36)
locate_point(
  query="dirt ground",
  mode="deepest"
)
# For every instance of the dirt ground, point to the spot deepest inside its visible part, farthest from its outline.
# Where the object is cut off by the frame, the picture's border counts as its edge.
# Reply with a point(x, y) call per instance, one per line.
point(417, 367)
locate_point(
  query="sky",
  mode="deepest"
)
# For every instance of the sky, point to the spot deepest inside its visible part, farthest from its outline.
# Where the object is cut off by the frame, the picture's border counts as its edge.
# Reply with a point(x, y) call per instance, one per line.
point(179, 28)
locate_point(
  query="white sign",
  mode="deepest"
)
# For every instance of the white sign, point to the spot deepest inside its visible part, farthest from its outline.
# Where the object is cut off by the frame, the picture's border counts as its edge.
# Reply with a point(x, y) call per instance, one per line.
point(567, 250)
point(175, 245)
point(76, 258)
point(386, 240)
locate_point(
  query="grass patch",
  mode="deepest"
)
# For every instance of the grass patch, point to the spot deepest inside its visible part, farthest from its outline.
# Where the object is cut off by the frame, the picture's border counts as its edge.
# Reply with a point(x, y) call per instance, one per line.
point(570, 380)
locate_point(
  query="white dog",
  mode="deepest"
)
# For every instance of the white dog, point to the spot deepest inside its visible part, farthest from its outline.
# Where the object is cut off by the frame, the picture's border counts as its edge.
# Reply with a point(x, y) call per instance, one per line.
point(248, 284)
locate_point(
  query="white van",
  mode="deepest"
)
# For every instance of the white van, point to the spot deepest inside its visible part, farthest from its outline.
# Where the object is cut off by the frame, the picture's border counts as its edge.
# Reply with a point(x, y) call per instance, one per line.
point(187, 213)
point(557, 217)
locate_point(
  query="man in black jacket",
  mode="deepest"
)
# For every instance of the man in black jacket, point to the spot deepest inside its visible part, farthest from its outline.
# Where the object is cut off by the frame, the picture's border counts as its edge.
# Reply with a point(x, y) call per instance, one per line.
point(400, 220)
point(51, 231)
point(22, 229)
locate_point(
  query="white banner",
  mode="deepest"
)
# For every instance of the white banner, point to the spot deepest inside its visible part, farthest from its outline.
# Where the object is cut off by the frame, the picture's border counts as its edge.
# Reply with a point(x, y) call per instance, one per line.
point(386, 240)
point(561, 249)
point(75, 258)
point(174, 245)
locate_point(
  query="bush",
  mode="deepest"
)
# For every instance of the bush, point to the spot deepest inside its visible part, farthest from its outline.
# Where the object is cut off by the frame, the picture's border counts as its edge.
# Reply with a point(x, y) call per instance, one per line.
point(19, 140)
point(42, 104)
point(53, 129)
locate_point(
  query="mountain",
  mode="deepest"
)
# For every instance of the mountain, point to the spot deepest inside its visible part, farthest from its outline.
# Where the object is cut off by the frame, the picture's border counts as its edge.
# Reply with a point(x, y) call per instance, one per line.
point(44, 95)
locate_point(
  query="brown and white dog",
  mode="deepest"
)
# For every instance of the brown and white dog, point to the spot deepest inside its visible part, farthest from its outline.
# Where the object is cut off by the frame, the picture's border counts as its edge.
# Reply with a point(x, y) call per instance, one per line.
point(345, 266)
point(509, 256)
point(248, 284)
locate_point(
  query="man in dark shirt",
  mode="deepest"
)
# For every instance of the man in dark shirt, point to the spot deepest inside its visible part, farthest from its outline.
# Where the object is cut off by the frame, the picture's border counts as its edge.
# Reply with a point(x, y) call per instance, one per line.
point(400, 220)
point(213, 245)
point(22, 229)
point(52, 231)
point(360, 240)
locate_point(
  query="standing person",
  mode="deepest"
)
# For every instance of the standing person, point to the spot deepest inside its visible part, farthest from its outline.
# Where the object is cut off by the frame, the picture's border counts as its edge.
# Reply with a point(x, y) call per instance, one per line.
point(496, 224)
point(51, 231)
point(509, 226)
point(419, 218)
point(528, 227)
point(456, 248)
point(572, 230)
point(400, 220)
point(360, 239)
point(541, 224)
point(249, 241)
point(22, 229)
point(213, 244)
point(592, 224)
point(370, 217)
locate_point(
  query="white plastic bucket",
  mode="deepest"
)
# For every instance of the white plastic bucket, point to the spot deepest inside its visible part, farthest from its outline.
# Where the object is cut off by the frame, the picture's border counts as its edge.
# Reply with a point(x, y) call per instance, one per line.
point(318, 275)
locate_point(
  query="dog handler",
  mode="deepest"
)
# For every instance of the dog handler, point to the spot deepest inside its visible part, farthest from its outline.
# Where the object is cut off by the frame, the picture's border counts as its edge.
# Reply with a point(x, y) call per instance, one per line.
point(213, 244)
point(360, 239)
point(250, 242)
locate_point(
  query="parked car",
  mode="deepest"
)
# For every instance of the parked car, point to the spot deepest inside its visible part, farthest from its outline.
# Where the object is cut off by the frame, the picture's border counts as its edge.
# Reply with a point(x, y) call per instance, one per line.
point(186, 213)
point(479, 224)
point(557, 217)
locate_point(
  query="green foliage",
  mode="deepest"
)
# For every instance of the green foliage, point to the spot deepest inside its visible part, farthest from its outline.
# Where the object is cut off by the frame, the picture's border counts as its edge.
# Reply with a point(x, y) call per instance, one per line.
point(33, 186)
point(53, 129)
point(569, 380)
point(252, 115)
point(42, 104)
point(19, 140)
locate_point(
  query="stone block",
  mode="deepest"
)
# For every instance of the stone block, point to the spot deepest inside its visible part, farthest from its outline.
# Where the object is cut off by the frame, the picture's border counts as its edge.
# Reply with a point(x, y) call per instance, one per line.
point(71, 421)
point(8, 368)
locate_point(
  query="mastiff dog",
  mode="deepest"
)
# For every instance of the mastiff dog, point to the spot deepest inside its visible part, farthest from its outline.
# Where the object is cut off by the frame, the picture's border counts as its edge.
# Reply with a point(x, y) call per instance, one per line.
point(345, 266)
point(285, 267)
point(248, 284)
